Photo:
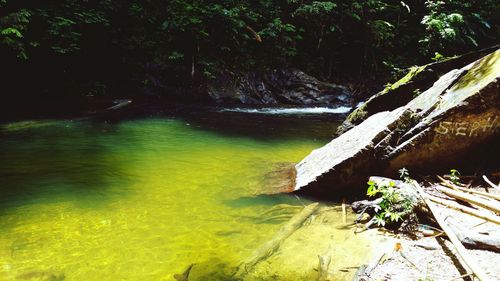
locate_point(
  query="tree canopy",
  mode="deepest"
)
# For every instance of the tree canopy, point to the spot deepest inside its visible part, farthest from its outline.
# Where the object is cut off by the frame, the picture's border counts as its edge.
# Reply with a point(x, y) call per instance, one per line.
point(96, 46)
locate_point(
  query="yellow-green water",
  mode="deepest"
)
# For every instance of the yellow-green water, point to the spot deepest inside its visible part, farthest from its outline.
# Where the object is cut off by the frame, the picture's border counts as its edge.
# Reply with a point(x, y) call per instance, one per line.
point(138, 199)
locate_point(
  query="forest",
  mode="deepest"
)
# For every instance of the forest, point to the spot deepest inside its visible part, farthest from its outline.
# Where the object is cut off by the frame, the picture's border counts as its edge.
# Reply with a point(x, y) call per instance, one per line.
point(118, 48)
point(251, 140)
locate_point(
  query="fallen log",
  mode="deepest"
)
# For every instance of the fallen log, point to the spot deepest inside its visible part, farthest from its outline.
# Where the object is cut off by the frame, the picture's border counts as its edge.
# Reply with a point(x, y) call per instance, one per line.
point(270, 247)
point(474, 240)
point(467, 260)
point(456, 206)
point(486, 204)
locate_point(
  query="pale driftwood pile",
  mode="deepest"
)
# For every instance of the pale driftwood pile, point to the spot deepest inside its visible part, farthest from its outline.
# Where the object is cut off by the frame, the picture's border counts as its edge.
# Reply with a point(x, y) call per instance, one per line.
point(439, 198)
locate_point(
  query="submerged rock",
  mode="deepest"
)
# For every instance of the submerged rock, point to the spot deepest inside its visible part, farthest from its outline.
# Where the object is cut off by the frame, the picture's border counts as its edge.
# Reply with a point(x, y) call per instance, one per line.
point(279, 87)
point(41, 276)
point(457, 114)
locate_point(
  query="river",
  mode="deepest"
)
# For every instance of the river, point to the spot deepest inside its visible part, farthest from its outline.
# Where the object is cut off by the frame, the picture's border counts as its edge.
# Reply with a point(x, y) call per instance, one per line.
point(142, 198)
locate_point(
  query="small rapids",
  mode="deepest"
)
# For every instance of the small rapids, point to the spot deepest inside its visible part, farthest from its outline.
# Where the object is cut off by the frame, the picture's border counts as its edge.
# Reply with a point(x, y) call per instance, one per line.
point(291, 111)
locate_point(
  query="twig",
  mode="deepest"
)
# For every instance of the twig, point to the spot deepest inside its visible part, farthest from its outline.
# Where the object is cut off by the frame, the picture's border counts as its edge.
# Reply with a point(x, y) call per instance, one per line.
point(344, 212)
point(462, 276)
point(372, 266)
point(491, 183)
point(408, 260)
point(479, 224)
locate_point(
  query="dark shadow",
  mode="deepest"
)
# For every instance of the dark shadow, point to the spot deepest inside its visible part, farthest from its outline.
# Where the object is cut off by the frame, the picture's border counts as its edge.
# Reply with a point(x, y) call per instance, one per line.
point(213, 269)
point(266, 127)
point(453, 258)
point(263, 127)
point(59, 162)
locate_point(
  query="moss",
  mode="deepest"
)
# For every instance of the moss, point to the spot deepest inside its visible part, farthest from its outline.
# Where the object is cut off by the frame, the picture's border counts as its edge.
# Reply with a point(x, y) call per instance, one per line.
point(362, 112)
point(420, 78)
point(483, 70)
point(359, 113)
point(414, 71)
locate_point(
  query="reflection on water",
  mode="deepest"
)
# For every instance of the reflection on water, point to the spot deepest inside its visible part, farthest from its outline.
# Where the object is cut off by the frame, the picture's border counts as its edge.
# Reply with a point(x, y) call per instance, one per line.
point(139, 199)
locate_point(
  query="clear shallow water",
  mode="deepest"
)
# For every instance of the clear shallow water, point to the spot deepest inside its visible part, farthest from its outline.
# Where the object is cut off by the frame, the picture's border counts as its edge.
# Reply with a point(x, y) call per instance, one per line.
point(141, 199)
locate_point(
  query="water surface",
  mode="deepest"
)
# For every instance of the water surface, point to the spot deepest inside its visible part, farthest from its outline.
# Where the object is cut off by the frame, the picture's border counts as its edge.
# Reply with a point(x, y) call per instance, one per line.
point(141, 199)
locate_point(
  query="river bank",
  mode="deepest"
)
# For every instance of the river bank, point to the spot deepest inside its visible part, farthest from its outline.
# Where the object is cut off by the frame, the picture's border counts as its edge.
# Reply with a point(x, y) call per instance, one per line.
point(422, 252)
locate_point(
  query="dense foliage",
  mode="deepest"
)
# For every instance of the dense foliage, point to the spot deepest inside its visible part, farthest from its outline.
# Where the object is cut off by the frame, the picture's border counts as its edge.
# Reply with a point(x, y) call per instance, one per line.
point(96, 46)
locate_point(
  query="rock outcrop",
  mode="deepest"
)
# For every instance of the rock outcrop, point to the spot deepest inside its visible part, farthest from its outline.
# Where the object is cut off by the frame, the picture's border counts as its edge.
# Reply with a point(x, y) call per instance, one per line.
point(278, 87)
point(411, 85)
point(458, 113)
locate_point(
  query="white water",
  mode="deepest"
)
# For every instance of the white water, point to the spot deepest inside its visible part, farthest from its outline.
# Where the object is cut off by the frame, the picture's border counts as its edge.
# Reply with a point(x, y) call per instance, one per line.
point(308, 110)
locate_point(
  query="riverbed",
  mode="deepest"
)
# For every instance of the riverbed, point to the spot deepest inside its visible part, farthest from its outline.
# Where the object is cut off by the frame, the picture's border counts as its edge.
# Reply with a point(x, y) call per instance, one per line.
point(142, 198)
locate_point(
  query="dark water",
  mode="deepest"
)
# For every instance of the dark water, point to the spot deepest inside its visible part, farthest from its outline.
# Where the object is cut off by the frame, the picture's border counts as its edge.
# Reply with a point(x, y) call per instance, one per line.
point(141, 198)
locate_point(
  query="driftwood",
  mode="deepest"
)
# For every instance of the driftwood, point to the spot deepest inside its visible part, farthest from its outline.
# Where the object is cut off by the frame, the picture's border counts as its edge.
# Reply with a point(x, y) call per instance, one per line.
point(369, 206)
point(495, 186)
point(474, 240)
point(466, 190)
point(120, 104)
point(270, 247)
point(324, 263)
point(486, 204)
point(454, 205)
point(363, 206)
point(467, 260)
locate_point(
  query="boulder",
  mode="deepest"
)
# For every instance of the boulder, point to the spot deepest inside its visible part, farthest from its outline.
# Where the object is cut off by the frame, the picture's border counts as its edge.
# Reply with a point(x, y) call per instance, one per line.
point(411, 85)
point(458, 113)
point(278, 87)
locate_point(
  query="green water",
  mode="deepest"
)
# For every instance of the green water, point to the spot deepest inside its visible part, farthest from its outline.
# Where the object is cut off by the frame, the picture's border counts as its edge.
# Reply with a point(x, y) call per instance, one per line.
point(140, 199)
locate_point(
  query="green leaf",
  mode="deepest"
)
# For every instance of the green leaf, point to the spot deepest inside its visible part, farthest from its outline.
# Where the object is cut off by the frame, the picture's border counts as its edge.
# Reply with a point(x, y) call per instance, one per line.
point(11, 31)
